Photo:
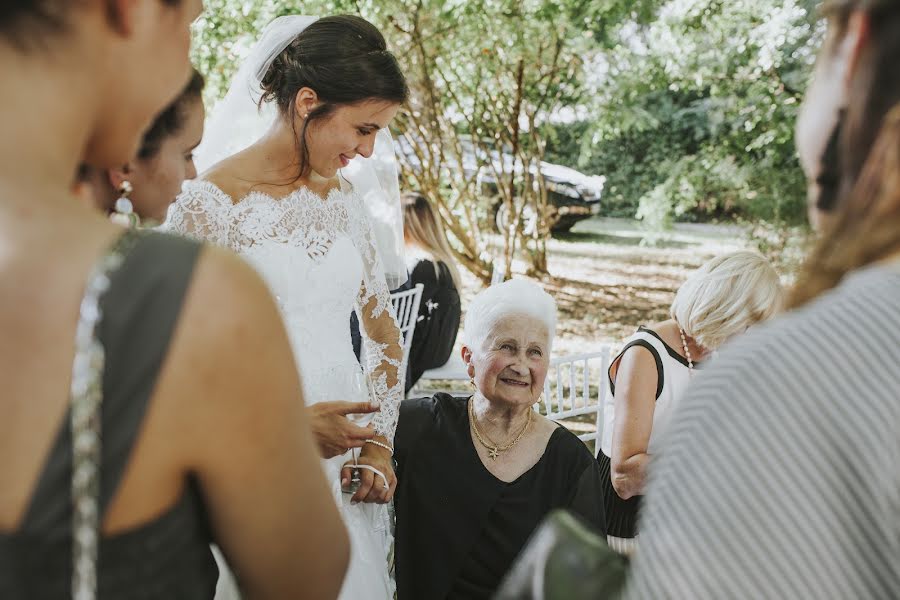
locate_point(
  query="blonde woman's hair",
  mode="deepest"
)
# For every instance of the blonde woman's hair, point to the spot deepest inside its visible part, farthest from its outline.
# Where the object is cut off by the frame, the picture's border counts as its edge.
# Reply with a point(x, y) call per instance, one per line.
point(725, 296)
point(422, 226)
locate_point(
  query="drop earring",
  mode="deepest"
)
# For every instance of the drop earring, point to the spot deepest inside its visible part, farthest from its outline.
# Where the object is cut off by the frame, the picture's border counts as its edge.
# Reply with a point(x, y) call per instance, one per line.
point(123, 211)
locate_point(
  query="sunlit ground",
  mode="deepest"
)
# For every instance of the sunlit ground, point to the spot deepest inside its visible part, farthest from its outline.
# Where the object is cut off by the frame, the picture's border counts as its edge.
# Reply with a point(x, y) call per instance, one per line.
point(607, 282)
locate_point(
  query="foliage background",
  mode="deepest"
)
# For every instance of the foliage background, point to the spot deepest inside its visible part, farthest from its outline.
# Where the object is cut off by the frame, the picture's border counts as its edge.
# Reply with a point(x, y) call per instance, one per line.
point(686, 106)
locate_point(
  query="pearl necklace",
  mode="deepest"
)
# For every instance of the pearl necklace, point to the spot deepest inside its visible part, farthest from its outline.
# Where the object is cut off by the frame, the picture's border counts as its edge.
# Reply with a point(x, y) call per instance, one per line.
point(495, 449)
point(687, 352)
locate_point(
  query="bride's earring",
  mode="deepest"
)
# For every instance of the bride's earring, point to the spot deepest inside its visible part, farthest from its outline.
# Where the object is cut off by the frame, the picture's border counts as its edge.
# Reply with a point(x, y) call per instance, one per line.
point(123, 211)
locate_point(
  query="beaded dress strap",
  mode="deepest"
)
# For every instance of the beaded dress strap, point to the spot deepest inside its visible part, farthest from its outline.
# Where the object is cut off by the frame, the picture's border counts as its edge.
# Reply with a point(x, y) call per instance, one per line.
point(86, 396)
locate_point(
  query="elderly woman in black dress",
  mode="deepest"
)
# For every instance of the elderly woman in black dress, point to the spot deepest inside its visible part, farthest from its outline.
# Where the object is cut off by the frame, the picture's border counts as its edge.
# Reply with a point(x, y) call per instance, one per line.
point(477, 475)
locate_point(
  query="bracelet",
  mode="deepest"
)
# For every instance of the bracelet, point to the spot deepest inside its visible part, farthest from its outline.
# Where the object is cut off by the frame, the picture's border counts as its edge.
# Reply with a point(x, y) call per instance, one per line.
point(385, 446)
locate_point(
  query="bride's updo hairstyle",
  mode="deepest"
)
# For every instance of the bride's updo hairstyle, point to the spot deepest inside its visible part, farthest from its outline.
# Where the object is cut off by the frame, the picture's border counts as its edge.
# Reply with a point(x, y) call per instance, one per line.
point(345, 60)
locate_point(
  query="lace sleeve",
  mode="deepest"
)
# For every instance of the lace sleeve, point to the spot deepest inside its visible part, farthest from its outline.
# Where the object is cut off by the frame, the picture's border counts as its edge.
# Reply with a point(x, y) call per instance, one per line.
point(201, 211)
point(382, 347)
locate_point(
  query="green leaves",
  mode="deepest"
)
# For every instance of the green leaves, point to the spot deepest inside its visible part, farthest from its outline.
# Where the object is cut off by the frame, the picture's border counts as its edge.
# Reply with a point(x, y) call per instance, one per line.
point(686, 106)
point(697, 107)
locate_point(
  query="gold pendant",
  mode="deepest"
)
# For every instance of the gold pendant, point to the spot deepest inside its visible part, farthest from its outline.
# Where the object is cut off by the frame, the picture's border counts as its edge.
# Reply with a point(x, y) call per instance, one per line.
point(493, 453)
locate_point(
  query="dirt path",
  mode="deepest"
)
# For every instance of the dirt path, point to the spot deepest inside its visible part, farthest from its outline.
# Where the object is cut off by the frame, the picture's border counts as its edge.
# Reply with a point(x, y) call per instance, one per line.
point(606, 282)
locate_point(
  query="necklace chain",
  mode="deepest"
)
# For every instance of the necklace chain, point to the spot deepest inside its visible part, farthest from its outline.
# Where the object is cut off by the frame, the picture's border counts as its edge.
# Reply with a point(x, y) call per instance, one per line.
point(494, 449)
point(687, 352)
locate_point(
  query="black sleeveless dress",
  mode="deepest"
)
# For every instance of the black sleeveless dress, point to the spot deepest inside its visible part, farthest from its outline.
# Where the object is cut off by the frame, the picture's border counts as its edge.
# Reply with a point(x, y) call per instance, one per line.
point(440, 312)
point(168, 557)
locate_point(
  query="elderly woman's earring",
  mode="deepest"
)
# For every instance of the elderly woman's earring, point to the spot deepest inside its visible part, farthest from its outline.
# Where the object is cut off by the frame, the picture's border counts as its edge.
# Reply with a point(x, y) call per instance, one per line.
point(123, 211)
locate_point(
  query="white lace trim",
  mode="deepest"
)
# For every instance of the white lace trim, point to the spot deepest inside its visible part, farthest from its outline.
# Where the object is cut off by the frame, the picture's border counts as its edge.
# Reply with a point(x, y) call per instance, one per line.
point(303, 219)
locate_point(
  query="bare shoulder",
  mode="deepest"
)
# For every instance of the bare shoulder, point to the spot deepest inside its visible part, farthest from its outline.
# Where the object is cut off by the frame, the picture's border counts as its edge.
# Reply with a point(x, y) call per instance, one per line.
point(229, 332)
point(545, 427)
point(230, 283)
point(668, 332)
point(636, 357)
point(231, 176)
point(567, 441)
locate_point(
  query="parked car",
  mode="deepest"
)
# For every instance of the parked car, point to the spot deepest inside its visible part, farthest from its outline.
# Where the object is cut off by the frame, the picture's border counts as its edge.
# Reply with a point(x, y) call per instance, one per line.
point(573, 196)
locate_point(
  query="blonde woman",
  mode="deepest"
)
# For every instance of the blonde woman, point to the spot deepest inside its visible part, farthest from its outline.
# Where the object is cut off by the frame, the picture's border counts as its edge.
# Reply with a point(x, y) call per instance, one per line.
point(431, 264)
point(646, 379)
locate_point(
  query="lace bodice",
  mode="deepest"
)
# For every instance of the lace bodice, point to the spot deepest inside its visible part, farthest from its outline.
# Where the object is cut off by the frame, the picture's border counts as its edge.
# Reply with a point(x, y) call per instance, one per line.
point(320, 260)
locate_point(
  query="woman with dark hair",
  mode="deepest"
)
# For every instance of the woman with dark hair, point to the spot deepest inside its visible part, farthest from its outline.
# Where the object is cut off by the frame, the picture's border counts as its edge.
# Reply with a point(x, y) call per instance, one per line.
point(141, 191)
point(138, 426)
point(291, 204)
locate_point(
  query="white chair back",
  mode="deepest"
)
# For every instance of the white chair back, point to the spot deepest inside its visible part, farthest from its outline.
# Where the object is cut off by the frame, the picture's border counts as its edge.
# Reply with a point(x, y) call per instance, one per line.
point(498, 275)
point(575, 387)
point(406, 309)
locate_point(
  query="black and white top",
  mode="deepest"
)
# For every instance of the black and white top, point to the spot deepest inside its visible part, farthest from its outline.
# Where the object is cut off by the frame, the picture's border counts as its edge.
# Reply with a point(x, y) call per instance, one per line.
point(781, 474)
point(673, 377)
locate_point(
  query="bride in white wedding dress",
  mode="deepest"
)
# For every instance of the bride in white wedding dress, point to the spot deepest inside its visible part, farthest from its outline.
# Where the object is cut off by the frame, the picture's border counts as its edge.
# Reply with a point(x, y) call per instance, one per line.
point(326, 235)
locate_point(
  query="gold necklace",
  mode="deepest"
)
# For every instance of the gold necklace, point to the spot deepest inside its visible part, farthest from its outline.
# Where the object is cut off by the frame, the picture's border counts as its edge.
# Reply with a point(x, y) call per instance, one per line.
point(494, 449)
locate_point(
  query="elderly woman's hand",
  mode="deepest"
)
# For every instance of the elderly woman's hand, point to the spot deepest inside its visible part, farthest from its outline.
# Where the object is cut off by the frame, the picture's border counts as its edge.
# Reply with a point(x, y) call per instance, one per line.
point(372, 486)
point(334, 432)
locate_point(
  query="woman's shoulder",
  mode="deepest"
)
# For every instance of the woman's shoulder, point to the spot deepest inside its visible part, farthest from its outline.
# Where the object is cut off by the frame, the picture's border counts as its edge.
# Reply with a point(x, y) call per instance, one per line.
point(657, 335)
point(564, 447)
point(216, 276)
point(417, 405)
point(421, 264)
point(157, 254)
point(232, 176)
point(156, 272)
point(419, 414)
point(205, 192)
point(659, 339)
point(432, 405)
point(156, 242)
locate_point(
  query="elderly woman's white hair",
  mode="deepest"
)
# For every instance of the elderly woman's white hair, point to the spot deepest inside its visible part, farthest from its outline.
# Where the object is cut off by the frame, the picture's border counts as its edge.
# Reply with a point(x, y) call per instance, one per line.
point(513, 297)
point(725, 296)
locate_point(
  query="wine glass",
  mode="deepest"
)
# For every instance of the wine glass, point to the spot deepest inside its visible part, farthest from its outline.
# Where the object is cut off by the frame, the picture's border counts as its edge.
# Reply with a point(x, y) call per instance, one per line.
point(362, 388)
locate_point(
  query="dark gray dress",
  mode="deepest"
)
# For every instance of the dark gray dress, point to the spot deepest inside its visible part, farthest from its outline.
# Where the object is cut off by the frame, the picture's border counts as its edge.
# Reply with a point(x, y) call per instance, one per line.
point(168, 557)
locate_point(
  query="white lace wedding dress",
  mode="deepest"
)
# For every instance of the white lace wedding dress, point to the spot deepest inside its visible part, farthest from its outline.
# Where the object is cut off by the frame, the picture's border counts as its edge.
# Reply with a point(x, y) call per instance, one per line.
point(320, 260)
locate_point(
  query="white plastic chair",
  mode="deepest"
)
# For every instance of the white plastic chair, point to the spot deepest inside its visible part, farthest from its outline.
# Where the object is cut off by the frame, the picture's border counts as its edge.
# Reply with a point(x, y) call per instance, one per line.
point(575, 386)
point(406, 309)
point(498, 275)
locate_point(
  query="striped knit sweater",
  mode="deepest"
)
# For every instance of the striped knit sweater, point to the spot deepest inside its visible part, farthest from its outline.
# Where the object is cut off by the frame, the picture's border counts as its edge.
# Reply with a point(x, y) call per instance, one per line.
point(781, 478)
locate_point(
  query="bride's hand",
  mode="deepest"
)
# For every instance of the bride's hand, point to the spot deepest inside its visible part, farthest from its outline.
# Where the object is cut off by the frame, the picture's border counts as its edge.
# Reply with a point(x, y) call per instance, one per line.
point(334, 432)
point(371, 488)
